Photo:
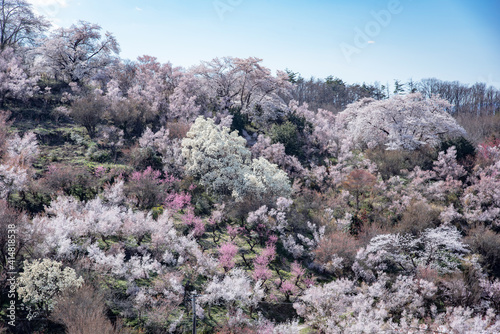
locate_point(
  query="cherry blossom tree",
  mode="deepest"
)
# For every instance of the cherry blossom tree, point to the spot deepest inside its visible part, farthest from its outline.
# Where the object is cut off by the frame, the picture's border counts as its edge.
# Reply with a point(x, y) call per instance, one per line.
point(184, 102)
point(15, 167)
point(326, 136)
point(227, 253)
point(235, 289)
point(76, 53)
point(245, 85)
point(18, 24)
point(153, 83)
point(481, 200)
point(169, 149)
point(14, 82)
point(441, 249)
point(401, 122)
point(406, 305)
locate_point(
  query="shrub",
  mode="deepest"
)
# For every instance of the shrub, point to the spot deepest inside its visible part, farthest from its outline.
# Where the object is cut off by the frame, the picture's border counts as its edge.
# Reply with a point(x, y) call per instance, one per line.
point(148, 188)
point(486, 243)
point(392, 162)
point(82, 311)
point(417, 217)
point(335, 251)
point(72, 180)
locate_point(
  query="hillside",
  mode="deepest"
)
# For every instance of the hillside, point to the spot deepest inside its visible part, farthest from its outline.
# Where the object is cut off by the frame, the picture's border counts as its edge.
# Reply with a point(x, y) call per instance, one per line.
point(132, 193)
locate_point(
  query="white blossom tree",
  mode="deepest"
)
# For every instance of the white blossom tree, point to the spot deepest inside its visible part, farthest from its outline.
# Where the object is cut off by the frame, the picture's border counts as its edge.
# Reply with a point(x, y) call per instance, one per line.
point(42, 280)
point(440, 248)
point(401, 122)
point(220, 160)
point(76, 53)
point(404, 306)
point(235, 289)
point(14, 82)
point(15, 165)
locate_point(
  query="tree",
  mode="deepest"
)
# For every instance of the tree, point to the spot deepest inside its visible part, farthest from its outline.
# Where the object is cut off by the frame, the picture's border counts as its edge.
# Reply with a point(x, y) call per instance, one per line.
point(215, 156)
point(439, 248)
point(76, 53)
point(244, 85)
point(82, 311)
point(15, 165)
point(358, 182)
point(399, 87)
point(221, 162)
point(88, 111)
point(402, 122)
point(41, 281)
point(153, 83)
point(14, 82)
point(18, 24)
point(235, 290)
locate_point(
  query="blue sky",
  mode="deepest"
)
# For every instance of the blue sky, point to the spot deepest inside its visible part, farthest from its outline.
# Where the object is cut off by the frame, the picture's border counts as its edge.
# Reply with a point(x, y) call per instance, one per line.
point(355, 40)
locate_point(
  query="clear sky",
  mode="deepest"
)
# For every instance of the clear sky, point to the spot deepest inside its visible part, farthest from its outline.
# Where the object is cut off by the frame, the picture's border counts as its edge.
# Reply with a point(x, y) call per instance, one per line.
point(355, 40)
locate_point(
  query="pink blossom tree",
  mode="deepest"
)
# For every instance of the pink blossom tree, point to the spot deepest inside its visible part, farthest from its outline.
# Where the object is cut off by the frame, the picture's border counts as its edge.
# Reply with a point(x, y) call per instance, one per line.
point(76, 53)
point(227, 253)
point(245, 85)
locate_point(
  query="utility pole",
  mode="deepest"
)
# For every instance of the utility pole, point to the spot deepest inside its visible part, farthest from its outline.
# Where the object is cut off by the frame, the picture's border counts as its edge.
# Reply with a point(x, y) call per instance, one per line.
point(193, 302)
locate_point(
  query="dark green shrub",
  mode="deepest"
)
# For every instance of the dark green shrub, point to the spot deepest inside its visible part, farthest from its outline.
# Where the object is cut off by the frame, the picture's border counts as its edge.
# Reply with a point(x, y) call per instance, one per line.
point(72, 180)
point(239, 121)
point(287, 135)
point(391, 163)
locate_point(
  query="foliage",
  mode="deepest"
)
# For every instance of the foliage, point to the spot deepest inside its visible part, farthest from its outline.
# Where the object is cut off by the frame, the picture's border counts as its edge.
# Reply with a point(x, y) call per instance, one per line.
point(286, 134)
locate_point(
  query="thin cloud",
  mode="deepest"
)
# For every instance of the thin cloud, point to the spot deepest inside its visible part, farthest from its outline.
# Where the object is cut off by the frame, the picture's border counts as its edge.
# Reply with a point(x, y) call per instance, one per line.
point(138, 9)
point(50, 9)
point(44, 3)
point(371, 42)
